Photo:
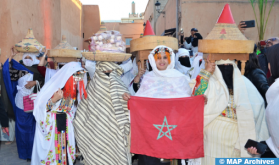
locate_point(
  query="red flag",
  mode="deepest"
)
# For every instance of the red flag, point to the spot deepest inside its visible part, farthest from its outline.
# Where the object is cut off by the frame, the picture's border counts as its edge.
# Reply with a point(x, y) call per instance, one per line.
point(167, 128)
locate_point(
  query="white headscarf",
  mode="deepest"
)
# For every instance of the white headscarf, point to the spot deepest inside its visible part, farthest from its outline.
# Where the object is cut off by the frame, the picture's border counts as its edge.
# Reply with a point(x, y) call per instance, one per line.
point(29, 62)
point(195, 65)
point(169, 83)
point(181, 68)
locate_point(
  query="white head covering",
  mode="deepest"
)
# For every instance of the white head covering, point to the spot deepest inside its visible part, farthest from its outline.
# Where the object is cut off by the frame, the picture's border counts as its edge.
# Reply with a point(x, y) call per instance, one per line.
point(181, 68)
point(169, 83)
point(29, 62)
point(58, 81)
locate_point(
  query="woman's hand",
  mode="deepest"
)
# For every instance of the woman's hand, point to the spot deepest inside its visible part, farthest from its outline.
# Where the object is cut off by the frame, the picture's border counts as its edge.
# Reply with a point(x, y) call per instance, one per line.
point(210, 66)
point(138, 77)
point(30, 84)
point(13, 53)
point(126, 96)
point(205, 99)
point(5, 130)
point(57, 96)
point(253, 151)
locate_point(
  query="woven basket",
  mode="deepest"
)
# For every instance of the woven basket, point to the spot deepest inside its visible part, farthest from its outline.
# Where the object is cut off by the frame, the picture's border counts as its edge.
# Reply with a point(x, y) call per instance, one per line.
point(105, 56)
point(64, 50)
point(150, 42)
point(29, 44)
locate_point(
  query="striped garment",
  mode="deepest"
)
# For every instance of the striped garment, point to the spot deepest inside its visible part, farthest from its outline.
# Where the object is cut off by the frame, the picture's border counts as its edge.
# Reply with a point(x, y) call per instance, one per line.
point(102, 124)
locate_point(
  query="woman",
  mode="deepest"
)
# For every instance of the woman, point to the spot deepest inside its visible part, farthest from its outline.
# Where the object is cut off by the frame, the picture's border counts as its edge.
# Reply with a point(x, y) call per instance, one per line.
point(27, 76)
point(162, 82)
point(256, 75)
point(272, 114)
point(54, 112)
point(48, 70)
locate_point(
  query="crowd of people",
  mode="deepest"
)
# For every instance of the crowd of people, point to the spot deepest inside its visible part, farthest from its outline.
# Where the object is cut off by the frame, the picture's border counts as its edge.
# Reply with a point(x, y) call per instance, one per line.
point(81, 107)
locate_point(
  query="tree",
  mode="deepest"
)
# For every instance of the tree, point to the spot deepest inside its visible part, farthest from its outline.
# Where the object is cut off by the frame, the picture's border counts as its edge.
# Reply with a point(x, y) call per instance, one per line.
point(262, 20)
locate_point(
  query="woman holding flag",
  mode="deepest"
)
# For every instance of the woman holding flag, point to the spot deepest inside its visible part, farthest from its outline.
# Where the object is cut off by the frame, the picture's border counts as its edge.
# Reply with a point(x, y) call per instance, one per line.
point(162, 82)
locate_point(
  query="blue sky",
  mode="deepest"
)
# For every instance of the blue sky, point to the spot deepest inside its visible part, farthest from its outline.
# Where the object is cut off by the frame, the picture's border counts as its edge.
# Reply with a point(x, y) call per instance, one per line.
point(116, 9)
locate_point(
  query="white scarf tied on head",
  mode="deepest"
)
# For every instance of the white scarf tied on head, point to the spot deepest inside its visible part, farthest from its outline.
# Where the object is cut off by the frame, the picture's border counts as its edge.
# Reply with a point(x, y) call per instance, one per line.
point(169, 83)
point(181, 68)
point(29, 62)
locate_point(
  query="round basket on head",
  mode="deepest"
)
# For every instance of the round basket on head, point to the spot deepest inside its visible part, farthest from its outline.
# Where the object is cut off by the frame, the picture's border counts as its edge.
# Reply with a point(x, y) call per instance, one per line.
point(29, 44)
point(64, 49)
point(225, 37)
point(106, 56)
point(150, 42)
point(64, 52)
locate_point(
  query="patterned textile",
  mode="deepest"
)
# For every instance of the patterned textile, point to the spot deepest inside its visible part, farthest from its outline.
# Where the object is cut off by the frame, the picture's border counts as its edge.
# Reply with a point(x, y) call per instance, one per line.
point(230, 111)
point(102, 120)
point(16, 74)
point(223, 130)
point(65, 105)
point(201, 83)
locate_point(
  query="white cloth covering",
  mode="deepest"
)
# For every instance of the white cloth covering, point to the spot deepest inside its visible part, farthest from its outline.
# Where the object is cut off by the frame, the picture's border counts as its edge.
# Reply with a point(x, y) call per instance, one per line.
point(22, 91)
point(50, 73)
point(195, 65)
point(249, 106)
point(90, 66)
point(127, 75)
point(169, 83)
point(42, 146)
point(272, 117)
point(181, 68)
point(34, 61)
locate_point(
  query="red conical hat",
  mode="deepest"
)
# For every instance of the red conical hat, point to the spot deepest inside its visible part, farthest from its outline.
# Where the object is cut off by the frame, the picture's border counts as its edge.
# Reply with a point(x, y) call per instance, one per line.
point(226, 15)
point(148, 30)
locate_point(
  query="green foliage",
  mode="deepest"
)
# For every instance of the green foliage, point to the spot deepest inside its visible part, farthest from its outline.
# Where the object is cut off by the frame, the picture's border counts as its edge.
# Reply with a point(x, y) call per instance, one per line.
point(261, 19)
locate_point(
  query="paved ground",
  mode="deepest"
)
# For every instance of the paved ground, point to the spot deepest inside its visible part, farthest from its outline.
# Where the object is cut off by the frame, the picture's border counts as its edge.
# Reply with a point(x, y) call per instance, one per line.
point(9, 156)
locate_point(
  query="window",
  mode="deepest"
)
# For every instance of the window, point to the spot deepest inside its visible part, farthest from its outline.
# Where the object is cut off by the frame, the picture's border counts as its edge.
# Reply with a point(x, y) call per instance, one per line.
point(128, 40)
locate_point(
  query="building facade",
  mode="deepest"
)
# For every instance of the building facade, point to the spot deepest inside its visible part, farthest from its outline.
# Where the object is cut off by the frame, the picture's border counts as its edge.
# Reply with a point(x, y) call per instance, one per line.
point(49, 19)
point(203, 14)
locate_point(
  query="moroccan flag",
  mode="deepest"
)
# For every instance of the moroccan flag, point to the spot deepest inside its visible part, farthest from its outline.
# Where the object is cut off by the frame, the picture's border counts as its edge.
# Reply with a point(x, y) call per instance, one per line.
point(167, 128)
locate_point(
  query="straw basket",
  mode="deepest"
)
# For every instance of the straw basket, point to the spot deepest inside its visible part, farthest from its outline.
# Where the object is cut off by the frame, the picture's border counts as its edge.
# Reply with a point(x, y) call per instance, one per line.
point(64, 52)
point(105, 56)
point(150, 42)
point(29, 44)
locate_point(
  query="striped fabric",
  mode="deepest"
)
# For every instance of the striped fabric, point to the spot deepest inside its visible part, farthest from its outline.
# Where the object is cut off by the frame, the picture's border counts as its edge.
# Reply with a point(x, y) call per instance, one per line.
point(220, 140)
point(102, 122)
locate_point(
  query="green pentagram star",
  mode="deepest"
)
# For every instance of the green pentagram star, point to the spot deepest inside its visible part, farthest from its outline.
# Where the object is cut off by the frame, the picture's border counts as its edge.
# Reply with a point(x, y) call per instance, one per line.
point(161, 127)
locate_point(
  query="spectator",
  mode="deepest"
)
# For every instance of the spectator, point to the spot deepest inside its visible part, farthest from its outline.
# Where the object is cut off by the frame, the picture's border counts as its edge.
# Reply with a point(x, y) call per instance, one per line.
point(256, 75)
point(272, 41)
point(272, 52)
point(192, 40)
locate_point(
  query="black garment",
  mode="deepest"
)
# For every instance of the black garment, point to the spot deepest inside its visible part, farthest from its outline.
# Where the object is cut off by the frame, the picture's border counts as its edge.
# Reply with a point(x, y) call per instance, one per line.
point(194, 41)
point(17, 74)
point(227, 73)
point(263, 62)
point(4, 120)
point(185, 61)
point(273, 59)
point(61, 121)
point(7, 105)
point(268, 153)
point(258, 78)
point(148, 160)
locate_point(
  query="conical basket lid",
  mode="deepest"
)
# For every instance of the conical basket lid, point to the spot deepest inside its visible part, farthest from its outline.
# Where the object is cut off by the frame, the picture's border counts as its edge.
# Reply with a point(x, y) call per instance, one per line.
point(225, 37)
point(64, 44)
point(64, 50)
point(103, 28)
point(225, 28)
point(29, 43)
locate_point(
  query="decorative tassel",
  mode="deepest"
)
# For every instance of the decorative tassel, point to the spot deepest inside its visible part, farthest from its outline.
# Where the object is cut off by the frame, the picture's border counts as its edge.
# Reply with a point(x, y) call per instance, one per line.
point(82, 88)
point(69, 90)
